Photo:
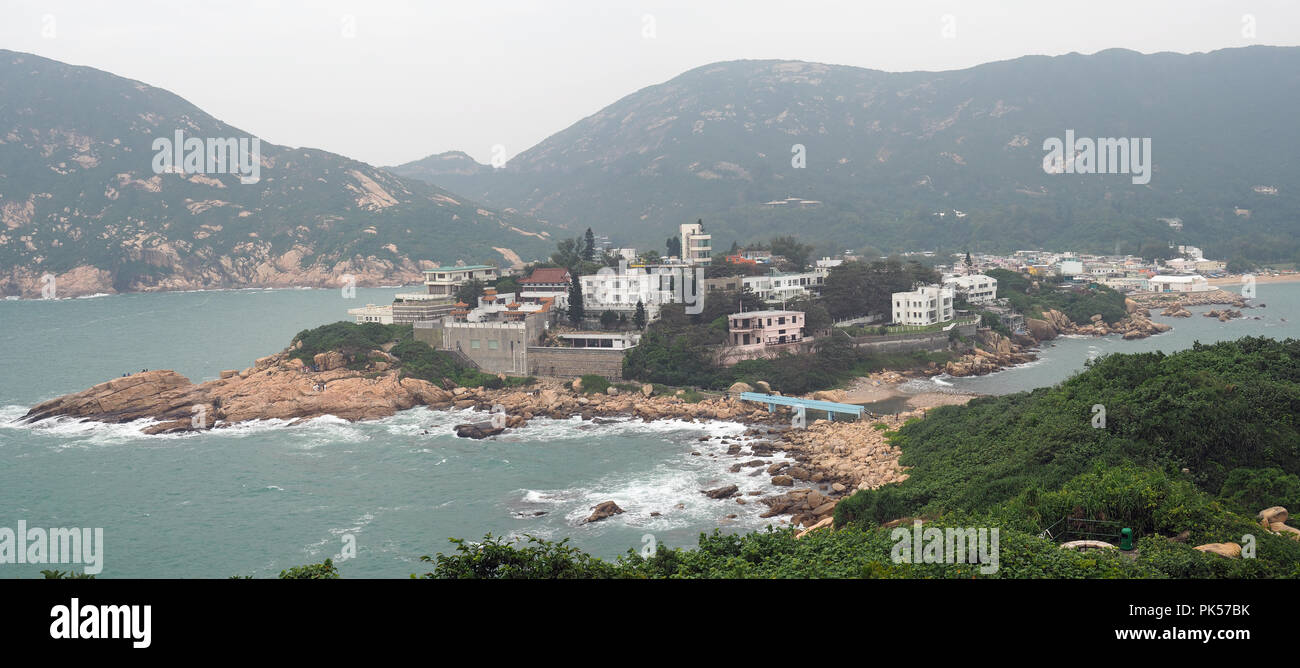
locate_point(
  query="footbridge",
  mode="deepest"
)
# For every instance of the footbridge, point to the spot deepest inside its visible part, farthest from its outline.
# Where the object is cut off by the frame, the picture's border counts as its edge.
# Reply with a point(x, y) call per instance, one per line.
point(801, 406)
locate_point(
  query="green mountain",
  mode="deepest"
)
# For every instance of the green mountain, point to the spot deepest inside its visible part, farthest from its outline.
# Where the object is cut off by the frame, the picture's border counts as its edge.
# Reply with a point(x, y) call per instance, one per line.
point(887, 152)
point(80, 199)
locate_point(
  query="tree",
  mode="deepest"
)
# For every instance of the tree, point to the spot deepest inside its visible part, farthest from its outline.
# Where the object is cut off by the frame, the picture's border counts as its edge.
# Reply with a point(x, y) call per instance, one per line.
point(639, 317)
point(968, 260)
point(793, 251)
point(607, 319)
point(568, 253)
point(470, 291)
point(576, 311)
point(589, 248)
point(674, 246)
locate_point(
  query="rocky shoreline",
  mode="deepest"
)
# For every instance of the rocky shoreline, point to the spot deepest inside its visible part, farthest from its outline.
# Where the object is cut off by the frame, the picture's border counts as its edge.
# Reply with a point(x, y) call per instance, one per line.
point(820, 464)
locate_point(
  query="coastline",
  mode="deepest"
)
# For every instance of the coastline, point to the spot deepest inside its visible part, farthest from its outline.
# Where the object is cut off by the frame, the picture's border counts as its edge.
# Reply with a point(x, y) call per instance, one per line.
point(1236, 279)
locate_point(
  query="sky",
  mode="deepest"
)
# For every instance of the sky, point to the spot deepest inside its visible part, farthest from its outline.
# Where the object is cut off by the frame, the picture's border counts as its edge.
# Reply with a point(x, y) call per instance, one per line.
point(389, 81)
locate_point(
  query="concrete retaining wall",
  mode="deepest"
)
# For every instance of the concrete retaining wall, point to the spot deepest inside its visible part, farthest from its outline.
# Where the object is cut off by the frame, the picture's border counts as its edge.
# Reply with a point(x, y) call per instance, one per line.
point(573, 362)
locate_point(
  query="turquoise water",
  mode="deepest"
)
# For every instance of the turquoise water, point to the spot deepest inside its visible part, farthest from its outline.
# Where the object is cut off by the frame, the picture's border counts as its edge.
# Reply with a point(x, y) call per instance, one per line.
point(1066, 356)
point(255, 499)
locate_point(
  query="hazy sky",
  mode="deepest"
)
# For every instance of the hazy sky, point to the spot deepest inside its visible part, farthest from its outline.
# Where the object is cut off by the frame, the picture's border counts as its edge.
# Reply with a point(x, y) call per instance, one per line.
point(388, 82)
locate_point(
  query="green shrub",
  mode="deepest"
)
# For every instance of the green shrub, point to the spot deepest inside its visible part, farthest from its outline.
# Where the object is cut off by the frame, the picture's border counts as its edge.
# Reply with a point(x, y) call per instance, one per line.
point(594, 384)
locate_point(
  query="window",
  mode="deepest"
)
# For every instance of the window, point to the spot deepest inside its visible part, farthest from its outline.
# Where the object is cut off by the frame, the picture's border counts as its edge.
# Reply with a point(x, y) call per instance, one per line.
point(473, 344)
point(493, 345)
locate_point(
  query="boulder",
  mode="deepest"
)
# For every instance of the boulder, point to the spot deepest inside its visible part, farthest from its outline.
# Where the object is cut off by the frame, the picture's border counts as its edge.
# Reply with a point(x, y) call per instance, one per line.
point(738, 387)
point(1268, 516)
point(647, 389)
point(330, 360)
point(721, 492)
point(1229, 550)
point(477, 430)
point(603, 510)
point(762, 386)
point(782, 480)
point(824, 523)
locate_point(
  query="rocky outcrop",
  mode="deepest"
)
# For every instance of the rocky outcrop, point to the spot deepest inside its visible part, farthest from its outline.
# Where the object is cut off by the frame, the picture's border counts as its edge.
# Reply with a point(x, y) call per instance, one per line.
point(276, 387)
point(1223, 315)
point(992, 353)
point(602, 511)
point(1181, 300)
point(721, 492)
point(1136, 325)
point(477, 430)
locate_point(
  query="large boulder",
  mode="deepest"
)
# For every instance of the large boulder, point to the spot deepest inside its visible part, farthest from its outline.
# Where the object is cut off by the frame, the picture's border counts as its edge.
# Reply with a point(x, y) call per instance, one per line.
point(603, 510)
point(1040, 329)
point(330, 360)
point(1274, 514)
point(762, 386)
point(1229, 550)
point(721, 492)
point(738, 387)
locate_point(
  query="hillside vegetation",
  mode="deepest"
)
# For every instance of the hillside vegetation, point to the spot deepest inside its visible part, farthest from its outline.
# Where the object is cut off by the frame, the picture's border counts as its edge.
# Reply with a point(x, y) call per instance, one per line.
point(1193, 445)
point(928, 160)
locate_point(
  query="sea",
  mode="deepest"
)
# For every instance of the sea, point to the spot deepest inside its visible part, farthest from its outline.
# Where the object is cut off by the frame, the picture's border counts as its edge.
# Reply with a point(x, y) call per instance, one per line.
point(259, 498)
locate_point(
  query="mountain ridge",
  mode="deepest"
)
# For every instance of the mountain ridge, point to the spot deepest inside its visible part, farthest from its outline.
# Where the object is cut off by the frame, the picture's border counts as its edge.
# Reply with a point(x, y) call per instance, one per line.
point(81, 203)
point(887, 152)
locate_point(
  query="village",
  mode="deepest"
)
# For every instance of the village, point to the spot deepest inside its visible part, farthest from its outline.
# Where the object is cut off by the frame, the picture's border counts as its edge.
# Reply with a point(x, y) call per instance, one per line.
point(552, 320)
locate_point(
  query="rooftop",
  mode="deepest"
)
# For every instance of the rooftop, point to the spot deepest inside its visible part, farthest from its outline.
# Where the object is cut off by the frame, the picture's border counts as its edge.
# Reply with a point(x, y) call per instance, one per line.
point(468, 267)
point(763, 314)
point(553, 275)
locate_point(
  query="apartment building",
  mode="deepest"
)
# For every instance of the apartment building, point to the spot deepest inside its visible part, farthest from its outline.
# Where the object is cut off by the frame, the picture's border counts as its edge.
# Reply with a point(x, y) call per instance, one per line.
point(977, 288)
point(697, 247)
point(926, 305)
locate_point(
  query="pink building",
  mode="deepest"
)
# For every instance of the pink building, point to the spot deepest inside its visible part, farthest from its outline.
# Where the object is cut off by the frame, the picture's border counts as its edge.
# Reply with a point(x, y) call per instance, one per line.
point(765, 327)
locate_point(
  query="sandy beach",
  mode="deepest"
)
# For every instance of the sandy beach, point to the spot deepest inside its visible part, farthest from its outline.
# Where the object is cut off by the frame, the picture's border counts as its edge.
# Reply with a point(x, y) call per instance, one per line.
point(884, 385)
point(1259, 278)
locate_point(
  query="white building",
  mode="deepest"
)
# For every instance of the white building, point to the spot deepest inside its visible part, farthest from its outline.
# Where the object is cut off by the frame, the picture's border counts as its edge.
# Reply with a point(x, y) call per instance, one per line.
point(697, 247)
point(1069, 267)
point(621, 291)
point(443, 281)
point(779, 287)
point(1178, 284)
point(977, 288)
point(371, 313)
point(923, 306)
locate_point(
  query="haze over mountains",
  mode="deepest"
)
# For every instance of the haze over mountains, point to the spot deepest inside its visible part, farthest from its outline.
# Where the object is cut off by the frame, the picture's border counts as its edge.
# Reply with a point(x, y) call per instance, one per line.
point(886, 153)
point(893, 161)
point(80, 200)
